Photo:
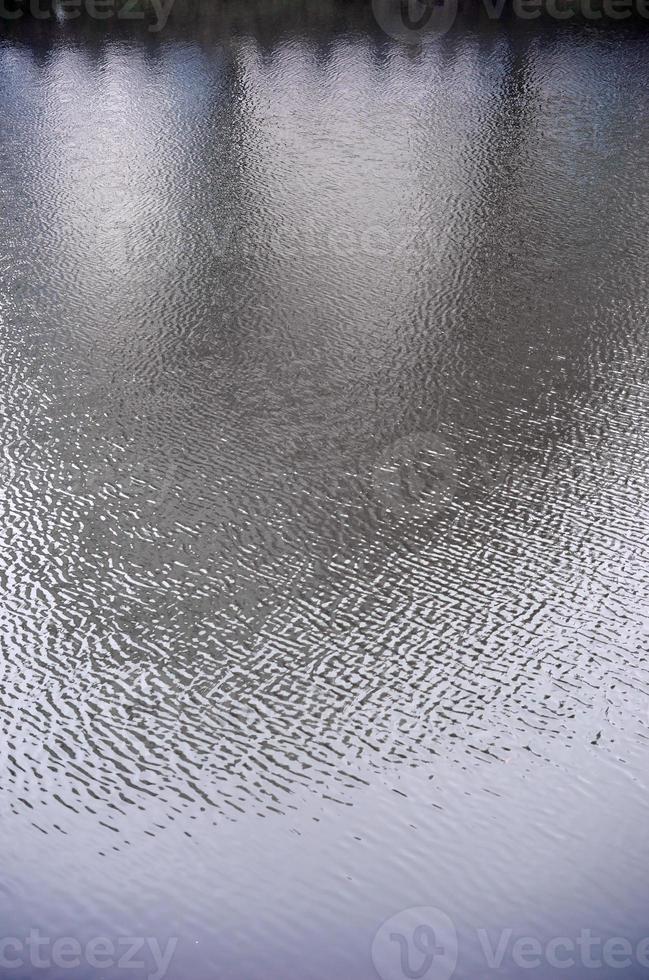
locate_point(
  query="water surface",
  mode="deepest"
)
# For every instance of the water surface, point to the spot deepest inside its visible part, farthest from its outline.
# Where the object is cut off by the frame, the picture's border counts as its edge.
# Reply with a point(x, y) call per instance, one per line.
point(325, 437)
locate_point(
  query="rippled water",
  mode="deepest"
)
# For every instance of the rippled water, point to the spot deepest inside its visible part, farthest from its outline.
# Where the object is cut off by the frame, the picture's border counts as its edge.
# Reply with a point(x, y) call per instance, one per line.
point(325, 437)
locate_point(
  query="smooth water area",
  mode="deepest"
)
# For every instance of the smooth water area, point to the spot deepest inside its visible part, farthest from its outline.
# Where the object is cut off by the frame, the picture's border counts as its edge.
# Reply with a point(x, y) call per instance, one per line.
point(324, 372)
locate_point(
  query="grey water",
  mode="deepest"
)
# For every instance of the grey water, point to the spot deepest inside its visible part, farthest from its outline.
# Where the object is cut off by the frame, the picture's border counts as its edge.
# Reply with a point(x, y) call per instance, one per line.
point(324, 377)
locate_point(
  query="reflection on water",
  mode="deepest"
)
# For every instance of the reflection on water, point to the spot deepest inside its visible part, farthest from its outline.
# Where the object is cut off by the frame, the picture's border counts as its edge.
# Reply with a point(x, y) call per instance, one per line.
point(324, 498)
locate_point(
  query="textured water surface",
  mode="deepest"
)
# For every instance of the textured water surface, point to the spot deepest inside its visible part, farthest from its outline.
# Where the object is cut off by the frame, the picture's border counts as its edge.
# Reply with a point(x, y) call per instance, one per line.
point(324, 367)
